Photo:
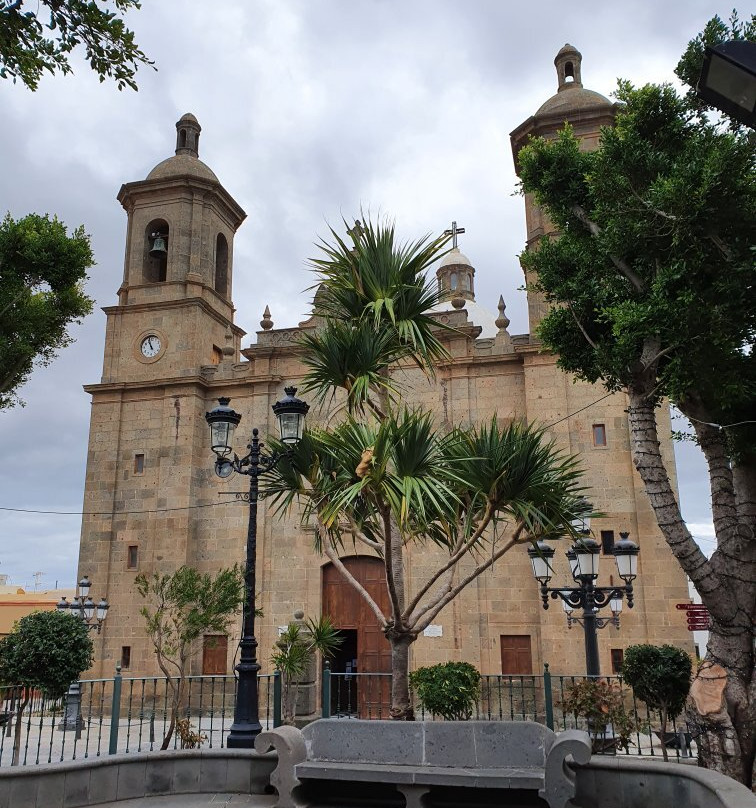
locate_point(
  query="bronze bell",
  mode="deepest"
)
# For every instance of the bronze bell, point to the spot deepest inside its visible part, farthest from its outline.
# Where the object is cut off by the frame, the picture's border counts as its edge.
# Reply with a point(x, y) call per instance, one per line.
point(159, 248)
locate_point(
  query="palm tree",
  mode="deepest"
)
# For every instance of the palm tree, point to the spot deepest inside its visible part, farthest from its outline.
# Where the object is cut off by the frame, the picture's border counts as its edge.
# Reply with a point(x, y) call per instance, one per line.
point(386, 476)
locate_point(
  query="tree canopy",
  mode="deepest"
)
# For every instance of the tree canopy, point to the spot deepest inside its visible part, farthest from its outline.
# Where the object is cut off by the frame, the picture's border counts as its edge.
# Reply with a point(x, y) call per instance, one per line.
point(660, 677)
point(42, 273)
point(45, 651)
point(181, 607)
point(386, 476)
point(39, 37)
point(652, 285)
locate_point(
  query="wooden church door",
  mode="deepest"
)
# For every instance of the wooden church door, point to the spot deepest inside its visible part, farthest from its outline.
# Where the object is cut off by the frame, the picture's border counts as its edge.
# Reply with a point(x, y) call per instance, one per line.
point(364, 641)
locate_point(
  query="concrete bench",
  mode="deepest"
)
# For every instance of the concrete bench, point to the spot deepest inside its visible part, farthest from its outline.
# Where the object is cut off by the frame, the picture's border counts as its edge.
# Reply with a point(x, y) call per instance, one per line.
point(415, 756)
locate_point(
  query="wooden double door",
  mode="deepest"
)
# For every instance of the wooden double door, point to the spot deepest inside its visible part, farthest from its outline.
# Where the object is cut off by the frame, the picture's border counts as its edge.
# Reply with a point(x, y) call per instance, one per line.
point(364, 650)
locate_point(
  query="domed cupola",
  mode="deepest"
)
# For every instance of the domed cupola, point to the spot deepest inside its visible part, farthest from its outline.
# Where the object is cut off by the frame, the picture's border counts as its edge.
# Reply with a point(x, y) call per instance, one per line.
point(456, 276)
point(182, 223)
point(186, 161)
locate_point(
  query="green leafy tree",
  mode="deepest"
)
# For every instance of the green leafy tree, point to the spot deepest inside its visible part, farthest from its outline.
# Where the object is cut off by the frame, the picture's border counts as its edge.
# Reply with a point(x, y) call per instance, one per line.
point(38, 37)
point(386, 477)
point(42, 272)
point(450, 689)
point(652, 281)
point(295, 650)
point(181, 608)
point(46, 651)
point(660, 677)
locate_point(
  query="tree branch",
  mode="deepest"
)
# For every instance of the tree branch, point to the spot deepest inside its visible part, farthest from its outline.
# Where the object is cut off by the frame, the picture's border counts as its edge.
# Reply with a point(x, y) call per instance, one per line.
point(333, 557)
point(462, 547)
point(622, 265)
point(425, 616)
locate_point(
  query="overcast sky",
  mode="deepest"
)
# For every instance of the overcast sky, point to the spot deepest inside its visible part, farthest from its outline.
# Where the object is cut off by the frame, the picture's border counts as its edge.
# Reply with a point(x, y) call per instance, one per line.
point(310, 110)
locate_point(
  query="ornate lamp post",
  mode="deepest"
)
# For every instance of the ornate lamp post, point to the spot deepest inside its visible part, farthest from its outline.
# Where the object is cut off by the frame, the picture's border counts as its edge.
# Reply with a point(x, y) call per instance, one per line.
point(584, 565)
point(223, 420)
point(82, 608)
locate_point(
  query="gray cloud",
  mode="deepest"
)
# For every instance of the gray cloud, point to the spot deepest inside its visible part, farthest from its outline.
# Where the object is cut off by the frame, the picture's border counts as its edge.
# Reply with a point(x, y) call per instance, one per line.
point(309, 111)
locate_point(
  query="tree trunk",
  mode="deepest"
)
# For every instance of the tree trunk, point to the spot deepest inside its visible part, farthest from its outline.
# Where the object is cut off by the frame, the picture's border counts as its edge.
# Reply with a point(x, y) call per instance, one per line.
point(663, 714)
point(22, 702)
point(723, 703)
point(722, 707)
point(401, 704)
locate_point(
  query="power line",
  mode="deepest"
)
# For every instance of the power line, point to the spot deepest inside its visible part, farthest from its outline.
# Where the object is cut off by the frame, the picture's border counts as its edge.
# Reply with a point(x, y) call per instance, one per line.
point(226, 502)
point(569, 415)
point(118, 513)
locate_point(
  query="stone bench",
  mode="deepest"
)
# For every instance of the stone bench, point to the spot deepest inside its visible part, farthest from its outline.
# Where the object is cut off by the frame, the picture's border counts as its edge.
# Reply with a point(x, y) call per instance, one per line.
point(415, 756)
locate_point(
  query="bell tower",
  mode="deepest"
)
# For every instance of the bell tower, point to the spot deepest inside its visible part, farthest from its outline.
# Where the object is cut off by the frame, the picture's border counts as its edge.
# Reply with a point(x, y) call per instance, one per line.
point(170, 333)
point(586, 111)
point(174, 303)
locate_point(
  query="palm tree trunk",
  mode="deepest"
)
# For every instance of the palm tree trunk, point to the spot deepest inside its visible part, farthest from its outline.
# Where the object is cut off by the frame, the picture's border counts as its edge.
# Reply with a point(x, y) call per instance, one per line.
point(401, 704)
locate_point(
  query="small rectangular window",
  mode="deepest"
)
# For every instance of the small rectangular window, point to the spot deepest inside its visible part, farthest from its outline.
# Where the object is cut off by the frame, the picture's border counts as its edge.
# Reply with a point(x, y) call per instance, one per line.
point(132, 557)
point(599, 435)
point(125, 657)
point(607, 542)
point(138, 463)
point(217, 355)
point(618, 657)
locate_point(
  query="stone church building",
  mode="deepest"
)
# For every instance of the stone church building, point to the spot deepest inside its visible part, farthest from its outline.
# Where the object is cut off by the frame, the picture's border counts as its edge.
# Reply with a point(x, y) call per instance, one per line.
point(172, 349)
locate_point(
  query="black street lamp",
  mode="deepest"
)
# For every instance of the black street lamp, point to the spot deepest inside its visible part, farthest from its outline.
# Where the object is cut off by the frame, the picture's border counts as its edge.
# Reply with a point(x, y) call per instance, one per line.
point(84, 608)
point(728, 80)
point(223, 420)
point(92, 616)
point(584, 558)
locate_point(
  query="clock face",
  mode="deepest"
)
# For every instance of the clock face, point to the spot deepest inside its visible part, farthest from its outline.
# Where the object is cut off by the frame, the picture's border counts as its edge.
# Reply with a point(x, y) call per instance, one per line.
point(150, 346)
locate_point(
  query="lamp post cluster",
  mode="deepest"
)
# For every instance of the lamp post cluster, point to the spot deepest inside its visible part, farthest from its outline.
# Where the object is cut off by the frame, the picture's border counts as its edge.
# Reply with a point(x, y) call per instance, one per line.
point(584, 558)
point(92, 616)
point(84, 608)
point(223, 420)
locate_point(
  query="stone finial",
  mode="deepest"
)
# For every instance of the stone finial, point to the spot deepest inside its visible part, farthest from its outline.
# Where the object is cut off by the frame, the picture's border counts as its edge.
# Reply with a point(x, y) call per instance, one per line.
point(228, 348)
point(266, 323)
point(502, 321)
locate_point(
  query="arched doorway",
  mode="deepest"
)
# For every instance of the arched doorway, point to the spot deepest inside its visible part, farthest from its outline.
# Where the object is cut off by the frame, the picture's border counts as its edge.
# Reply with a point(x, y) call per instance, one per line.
point(365, 649)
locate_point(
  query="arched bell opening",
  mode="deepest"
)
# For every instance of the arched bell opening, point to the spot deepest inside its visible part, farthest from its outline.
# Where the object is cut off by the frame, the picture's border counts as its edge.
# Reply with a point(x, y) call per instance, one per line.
point(155, 262)
point(221, 265)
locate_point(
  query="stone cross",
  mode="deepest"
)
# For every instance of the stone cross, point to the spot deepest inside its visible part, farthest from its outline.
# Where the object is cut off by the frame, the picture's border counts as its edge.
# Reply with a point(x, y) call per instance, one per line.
point(454, 232)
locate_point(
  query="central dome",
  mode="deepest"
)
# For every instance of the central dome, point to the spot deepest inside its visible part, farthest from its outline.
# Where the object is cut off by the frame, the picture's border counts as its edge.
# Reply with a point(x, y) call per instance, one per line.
point(186, 161)
point(182, 164)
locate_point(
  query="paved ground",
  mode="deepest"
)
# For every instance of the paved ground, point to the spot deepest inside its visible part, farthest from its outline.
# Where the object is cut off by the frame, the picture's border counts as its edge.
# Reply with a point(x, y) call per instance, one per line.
point(195, 801)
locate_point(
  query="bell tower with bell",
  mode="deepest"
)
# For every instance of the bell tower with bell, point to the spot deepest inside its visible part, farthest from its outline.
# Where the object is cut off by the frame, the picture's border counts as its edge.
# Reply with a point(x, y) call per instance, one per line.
point(174, 306)
point(170, 334)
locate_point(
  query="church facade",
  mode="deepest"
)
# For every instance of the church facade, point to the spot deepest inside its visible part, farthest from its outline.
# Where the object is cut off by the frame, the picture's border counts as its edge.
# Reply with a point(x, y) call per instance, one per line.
point(172, 349)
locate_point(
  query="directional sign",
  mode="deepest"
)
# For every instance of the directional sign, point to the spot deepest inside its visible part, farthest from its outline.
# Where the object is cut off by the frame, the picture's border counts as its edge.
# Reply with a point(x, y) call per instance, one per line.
point(691, 607)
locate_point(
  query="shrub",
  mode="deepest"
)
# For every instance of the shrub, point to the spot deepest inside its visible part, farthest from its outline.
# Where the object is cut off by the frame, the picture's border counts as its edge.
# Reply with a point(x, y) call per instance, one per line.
point(601, 703)
point(660, 677)
point(449, 689)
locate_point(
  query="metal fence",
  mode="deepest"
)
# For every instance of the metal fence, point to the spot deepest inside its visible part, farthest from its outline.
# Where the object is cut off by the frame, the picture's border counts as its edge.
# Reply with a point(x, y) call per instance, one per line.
point(133, 714)
point(517, 698)
point(120, 715)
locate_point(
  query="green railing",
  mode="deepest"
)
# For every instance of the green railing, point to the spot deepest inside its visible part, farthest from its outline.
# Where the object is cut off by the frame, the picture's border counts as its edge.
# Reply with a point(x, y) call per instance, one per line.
point(132, 714)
